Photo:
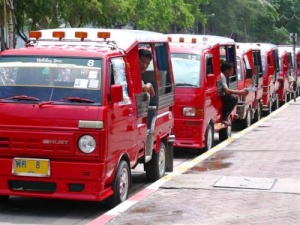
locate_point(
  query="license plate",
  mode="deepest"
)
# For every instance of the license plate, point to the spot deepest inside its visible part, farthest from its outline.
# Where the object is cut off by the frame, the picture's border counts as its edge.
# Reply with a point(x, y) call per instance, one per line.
point(31, 167)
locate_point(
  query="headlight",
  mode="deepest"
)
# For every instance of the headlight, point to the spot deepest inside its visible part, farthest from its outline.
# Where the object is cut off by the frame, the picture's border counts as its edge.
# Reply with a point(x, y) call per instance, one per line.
point(87, 144)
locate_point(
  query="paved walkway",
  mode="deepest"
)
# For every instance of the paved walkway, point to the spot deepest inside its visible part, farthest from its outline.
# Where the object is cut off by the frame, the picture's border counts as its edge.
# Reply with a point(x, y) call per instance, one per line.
point(251, 178)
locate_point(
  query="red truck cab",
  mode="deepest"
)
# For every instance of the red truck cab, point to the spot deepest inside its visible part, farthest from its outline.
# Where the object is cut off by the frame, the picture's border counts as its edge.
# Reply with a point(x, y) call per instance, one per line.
point(250, 78)
point(285, 72)
point(270, 66)
point(74, 118)
point(196, 62)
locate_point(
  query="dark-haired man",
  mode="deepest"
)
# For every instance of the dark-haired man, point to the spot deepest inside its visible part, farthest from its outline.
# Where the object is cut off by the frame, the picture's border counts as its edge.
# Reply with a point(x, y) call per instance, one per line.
point(229, 98)
point(145, 57)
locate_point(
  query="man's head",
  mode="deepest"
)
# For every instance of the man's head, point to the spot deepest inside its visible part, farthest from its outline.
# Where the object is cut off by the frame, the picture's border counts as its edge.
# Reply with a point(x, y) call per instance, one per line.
point(227, 68)
point(145, 57)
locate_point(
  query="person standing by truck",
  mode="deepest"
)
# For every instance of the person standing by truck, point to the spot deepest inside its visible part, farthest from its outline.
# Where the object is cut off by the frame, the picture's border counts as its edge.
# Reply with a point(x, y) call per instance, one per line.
point(229, 96)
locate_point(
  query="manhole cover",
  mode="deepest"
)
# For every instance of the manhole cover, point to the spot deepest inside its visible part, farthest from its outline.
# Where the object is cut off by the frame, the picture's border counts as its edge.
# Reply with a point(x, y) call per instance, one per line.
point(245, 182)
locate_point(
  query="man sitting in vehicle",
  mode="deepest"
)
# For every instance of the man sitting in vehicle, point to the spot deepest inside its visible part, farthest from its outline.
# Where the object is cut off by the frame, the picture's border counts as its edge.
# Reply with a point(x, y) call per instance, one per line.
point(145, 57)
point(229, 98)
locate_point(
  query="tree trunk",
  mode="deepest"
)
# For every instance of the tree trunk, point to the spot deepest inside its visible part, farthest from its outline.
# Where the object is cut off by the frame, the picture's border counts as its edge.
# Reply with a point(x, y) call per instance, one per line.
point(11, 33)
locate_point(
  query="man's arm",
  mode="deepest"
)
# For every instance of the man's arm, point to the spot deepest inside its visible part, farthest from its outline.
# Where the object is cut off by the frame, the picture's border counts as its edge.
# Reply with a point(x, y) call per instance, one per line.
point(229, 91)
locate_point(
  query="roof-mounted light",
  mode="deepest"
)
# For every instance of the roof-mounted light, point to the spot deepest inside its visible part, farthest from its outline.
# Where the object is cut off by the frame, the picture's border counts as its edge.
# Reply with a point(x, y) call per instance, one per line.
point(205, 39)
point(58, 34)
point(81, 35)
point(103, 35)
point(35, 34)
point(194, 40)
point(181, 39)
point(169, 38)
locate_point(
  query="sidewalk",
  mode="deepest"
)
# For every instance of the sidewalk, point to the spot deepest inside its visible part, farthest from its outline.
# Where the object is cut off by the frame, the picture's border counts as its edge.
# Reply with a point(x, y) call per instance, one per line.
point(251, 178)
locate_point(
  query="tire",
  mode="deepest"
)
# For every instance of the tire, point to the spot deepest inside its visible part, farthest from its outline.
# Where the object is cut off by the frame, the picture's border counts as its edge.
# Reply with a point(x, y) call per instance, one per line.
point(209, 137)
point(248, 120)
point(156, 167)
point(226, 132)
point(120, 185)
point(269, 111)
point(285, 99)
point(258, 112)
point(276, 103)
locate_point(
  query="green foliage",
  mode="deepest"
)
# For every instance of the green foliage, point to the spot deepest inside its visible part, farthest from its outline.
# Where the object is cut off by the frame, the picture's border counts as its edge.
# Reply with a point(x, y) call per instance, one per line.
point(244, 20)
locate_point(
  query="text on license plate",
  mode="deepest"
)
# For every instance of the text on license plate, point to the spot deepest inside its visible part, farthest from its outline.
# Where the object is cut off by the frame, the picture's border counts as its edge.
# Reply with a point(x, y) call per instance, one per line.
point(31, 167)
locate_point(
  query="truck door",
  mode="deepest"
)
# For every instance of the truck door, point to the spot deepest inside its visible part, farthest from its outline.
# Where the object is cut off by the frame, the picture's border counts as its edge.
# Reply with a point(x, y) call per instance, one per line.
point(122, 120)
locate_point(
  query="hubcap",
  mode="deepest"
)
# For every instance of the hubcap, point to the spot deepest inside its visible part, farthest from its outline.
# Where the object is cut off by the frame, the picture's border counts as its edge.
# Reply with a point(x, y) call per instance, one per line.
point(209, 139)
point(123, 186)
point(162, 161)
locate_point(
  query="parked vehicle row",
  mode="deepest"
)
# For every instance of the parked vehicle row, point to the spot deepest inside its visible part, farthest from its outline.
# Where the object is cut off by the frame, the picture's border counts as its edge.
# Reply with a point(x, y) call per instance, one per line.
point(75, 120)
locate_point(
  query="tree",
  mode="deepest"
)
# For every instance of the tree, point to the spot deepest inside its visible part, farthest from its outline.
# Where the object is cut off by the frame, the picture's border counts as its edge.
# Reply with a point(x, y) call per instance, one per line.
point(7, 24)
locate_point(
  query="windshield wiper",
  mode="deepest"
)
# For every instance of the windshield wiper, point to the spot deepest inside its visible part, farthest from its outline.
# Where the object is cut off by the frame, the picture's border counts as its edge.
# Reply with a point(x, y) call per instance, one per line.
point(78, 99)
point(21, 98)
point(185, 84)
point(68, 99)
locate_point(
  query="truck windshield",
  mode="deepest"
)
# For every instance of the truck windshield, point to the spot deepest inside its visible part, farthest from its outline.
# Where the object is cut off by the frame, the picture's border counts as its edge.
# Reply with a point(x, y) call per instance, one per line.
point(186, 69)
point(50, 79)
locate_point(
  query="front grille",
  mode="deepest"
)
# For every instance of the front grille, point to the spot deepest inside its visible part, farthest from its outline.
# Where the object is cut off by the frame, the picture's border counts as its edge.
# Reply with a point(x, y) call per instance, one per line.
point(31, 144)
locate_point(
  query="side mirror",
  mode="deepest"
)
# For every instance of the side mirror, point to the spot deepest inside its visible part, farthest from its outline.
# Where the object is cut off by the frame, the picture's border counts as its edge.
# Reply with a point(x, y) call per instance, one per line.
point(211, 80)
point(116, 93)
point(249, 74)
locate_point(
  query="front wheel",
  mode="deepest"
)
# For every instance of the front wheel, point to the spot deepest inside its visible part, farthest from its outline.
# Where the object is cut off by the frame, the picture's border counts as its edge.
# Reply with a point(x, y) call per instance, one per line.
point(226, 132)
point(209, 137)
point(156, 167)
point(248, 120)
point(276, 103)
point(258, 112)
point(120, 185)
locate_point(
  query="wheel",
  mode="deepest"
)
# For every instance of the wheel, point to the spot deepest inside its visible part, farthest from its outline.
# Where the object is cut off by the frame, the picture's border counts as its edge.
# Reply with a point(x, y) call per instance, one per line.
point(248, 120)
point(225, 133)
point(209, 137)
point(156, 167)
point(258, 112)
point(275, 103)
point(120, 185)
point(285, 100)
point(269, 111)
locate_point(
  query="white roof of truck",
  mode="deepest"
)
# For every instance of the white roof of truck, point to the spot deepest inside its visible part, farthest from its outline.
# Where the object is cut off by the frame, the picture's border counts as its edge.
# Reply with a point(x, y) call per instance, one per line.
point(265, 47)
point(122, 37)
point(207, 39)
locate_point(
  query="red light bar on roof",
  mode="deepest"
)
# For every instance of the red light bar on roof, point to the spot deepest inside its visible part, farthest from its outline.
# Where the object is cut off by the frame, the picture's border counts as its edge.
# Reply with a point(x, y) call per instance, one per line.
point(35, 34)
point(170, 39)
point(58, 34)
point(81, 35)
point(194, 40)
point(181, 39)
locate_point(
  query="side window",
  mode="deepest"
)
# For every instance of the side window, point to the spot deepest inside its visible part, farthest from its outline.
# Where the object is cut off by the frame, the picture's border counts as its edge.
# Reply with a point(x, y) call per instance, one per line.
point(118, 76)
point(239, 68)
point(163, 66)
point(209, 65)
